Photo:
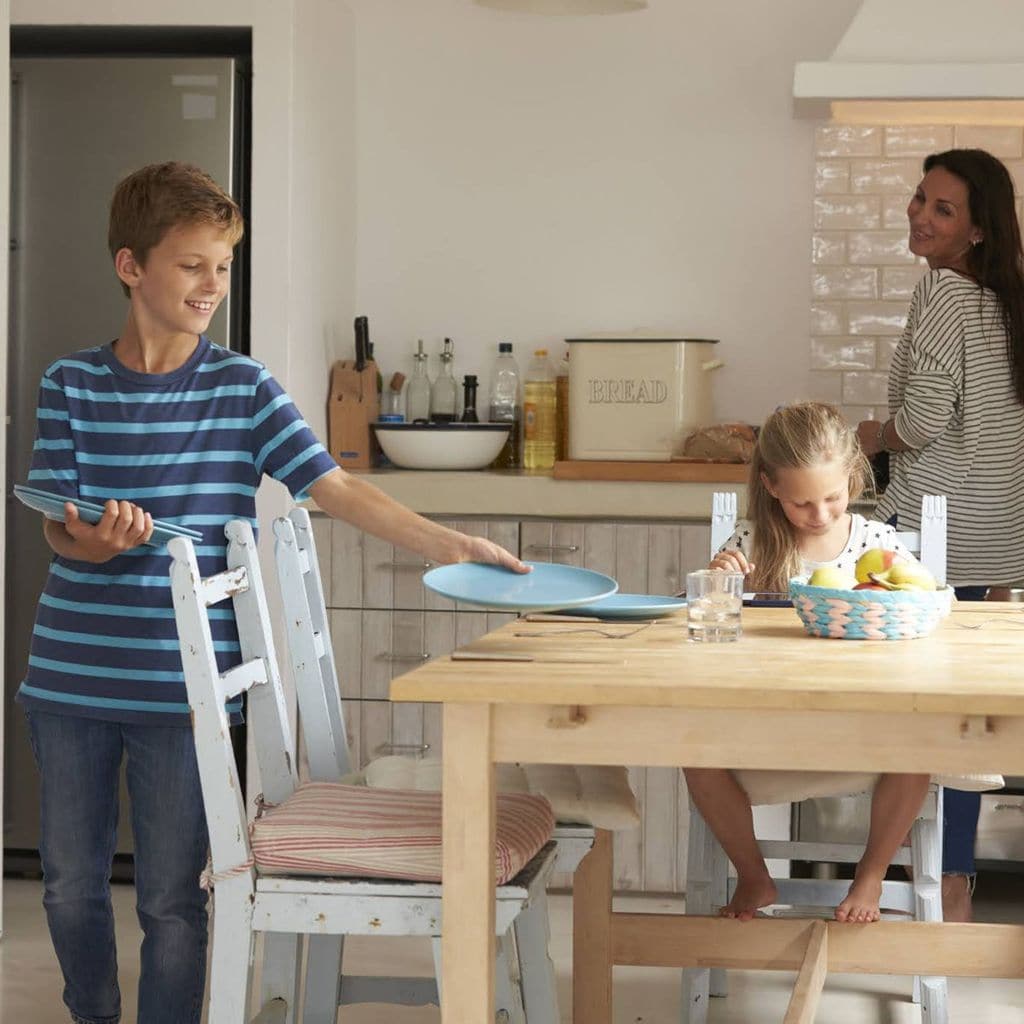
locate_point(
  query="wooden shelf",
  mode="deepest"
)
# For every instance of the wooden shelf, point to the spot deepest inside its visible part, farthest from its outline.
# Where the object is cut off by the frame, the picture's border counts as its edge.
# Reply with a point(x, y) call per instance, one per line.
point(666, 472)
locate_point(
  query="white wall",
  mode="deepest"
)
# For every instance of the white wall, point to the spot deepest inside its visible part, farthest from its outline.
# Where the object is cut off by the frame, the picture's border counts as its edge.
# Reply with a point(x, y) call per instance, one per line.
point(530, 178)
point(447, 169)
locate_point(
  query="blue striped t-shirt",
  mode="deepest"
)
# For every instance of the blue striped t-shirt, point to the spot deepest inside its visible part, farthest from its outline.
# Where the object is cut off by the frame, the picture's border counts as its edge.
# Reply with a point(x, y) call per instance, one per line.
point(190, 447)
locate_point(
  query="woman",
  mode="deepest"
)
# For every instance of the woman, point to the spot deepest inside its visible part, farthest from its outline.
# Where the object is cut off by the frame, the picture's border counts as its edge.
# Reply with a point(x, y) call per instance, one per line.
point(956, 408)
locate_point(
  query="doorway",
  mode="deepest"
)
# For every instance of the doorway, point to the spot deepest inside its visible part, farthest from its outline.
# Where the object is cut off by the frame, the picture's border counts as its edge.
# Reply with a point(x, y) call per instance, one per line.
point(89, 105)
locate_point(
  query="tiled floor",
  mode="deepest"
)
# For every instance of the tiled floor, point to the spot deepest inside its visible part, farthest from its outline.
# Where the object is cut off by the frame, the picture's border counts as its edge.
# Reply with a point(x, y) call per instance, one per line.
point(30, 982)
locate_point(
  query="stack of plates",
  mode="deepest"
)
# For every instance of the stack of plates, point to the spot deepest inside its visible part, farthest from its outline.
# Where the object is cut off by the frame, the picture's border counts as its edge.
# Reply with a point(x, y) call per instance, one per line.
point(547, 587)
point(52, 506)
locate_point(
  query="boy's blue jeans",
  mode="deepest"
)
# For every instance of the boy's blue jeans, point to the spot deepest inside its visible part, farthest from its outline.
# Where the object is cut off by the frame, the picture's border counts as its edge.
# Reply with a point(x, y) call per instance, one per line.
point(79, 761)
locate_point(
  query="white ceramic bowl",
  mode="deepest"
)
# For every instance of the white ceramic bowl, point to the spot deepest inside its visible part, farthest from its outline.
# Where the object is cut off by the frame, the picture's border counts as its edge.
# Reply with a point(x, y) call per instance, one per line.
point(441, 445)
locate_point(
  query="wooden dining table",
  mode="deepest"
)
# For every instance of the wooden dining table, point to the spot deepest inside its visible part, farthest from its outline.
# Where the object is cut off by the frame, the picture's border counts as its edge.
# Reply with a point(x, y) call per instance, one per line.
point(642, 694)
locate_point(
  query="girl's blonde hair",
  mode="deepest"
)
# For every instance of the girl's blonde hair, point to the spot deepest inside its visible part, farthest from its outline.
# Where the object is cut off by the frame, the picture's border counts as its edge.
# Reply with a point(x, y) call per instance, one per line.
point(795, 436)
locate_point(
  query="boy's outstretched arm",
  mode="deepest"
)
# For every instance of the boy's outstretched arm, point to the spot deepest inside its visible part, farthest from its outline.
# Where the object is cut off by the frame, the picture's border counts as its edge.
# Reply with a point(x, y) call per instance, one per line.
point(122, 526)
point(347, 497)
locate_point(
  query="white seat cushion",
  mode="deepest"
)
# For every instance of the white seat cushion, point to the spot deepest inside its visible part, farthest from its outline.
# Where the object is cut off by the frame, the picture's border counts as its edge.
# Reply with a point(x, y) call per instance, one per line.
point(781, 787)
point(597, 795)
point(325, 828)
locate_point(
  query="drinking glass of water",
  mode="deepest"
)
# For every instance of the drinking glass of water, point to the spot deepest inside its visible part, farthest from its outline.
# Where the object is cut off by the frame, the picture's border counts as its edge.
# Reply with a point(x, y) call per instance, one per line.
point(714, 601)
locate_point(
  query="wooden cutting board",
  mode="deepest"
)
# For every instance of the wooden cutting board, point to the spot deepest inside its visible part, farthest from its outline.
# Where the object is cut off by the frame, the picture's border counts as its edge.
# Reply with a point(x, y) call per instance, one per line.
point(665, 472)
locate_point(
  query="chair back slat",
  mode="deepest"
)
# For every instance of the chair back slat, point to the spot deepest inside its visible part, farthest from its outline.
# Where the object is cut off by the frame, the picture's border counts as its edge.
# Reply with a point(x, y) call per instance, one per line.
point(218, 772)
point(723, 518)
point(312, 659)
point(266, 707)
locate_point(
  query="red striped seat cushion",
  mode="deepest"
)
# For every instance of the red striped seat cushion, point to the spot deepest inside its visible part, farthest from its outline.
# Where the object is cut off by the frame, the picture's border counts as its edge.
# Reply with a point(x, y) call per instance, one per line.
point(326, 828)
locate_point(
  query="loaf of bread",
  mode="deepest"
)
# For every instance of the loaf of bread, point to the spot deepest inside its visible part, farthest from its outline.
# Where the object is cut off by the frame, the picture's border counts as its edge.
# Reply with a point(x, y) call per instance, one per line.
point(723, 442)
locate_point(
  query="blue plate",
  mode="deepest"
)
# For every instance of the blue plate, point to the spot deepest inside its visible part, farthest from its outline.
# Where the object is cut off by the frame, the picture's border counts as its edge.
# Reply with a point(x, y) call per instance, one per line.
point(52, 506)
point(629, 606)
point(548, 586)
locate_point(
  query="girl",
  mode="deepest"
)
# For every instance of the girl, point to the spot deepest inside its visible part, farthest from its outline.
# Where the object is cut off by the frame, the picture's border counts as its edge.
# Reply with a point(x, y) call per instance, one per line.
point(806, 469)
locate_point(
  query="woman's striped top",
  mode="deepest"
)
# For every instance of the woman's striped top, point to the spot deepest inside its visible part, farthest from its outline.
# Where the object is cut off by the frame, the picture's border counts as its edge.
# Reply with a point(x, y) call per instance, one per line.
point(951, 393)
point(190, 447)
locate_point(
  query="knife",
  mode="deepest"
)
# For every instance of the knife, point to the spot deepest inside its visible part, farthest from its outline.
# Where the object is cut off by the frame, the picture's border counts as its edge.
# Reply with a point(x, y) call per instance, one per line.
point(362, 341)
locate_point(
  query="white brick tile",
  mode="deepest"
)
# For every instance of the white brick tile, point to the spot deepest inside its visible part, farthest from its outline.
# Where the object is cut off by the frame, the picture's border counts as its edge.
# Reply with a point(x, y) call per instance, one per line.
point(862, 388)
point(894, 211)
point(827, 318)
point(845, 283)
point(877, 318)
point(847, 212)
point(1016, 169)
point(885, 177)
point(998, 139)
point(853, 414)
point(832, 176)
point(884, 351)
point(828, 248)
point(917, 139)
point(880, 248)
point(842, 353)
point(898, 283)
point(848, 140)
point(826, 386)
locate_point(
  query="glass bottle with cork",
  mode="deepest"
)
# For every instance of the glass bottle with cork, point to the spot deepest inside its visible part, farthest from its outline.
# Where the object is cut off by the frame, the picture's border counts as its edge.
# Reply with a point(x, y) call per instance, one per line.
point(539, 403)
point(444, 391)
point(417, 394)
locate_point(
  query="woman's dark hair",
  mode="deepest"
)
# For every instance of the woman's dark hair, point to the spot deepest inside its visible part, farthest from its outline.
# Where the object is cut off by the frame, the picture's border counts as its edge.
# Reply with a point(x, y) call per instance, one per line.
point(996, 262)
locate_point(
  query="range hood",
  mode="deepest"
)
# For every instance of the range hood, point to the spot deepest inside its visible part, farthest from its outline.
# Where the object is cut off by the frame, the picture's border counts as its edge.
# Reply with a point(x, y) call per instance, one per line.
point(920, 50)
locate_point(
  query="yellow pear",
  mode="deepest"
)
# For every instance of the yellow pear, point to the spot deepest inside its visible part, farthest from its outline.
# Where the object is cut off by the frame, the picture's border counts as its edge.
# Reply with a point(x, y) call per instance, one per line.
point(911, 576)
point(829, 576)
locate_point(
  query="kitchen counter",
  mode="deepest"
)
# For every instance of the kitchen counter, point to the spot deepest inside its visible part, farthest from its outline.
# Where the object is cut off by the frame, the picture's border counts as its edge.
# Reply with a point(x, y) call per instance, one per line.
point(520, 494)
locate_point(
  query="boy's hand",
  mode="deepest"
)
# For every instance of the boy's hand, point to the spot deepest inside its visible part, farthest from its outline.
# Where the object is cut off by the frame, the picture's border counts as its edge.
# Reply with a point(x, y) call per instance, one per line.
point(479, 549)
point(732, 561)
point(123, 526)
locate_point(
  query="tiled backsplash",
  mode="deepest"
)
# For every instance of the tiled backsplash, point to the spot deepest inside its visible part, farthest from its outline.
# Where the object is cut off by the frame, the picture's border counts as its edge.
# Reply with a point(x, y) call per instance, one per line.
point(863, 273)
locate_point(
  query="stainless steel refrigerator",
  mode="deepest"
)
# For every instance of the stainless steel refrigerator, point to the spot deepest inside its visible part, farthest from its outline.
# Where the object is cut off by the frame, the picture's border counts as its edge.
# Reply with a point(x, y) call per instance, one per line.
point(79, 125)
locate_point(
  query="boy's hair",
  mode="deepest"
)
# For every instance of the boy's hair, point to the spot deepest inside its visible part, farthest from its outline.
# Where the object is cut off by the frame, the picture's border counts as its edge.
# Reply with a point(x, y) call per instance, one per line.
point(156, 198)
point(794, 437)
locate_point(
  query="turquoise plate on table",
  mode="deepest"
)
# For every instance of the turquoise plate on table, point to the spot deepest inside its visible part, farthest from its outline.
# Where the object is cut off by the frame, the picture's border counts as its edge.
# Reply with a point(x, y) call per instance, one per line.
point(629, 606)
point(52, 506)
point(548, 586)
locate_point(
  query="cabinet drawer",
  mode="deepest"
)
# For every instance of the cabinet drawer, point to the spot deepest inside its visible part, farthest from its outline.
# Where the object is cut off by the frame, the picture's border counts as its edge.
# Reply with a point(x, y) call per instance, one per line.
point(368, 573)
point(373, 647)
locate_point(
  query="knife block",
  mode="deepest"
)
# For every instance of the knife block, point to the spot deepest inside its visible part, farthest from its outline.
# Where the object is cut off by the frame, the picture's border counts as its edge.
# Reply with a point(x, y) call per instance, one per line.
point(352, 405)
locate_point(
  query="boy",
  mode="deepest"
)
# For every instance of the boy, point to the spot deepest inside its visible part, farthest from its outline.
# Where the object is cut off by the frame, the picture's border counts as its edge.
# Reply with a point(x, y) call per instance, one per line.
point(158, 424)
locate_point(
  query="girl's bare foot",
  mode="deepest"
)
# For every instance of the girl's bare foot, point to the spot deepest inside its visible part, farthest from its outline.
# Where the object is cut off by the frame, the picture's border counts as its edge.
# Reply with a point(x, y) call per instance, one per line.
point(750, 896)
point(861, 903)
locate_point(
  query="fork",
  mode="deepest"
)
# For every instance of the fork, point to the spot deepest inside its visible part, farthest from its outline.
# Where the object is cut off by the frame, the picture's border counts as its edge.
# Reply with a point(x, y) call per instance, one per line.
point(723, 518)
point(593, 629)
point(933, 534)
point(988, 622)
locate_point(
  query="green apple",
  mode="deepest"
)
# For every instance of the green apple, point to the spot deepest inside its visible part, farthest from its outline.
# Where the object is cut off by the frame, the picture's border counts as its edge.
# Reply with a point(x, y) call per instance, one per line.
point(829, 576)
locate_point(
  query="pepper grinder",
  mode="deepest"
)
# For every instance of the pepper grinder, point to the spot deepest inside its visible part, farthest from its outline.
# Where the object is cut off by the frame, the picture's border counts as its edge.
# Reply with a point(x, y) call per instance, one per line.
point(469, 399)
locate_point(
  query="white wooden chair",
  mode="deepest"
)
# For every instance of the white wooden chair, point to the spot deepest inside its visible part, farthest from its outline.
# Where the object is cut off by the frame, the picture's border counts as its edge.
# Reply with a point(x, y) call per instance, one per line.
point(709, 887)
point(322, 722)
point(285, 907)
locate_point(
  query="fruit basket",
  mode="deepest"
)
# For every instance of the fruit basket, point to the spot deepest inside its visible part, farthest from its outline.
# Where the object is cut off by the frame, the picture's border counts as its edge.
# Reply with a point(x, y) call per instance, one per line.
point(869, 614)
